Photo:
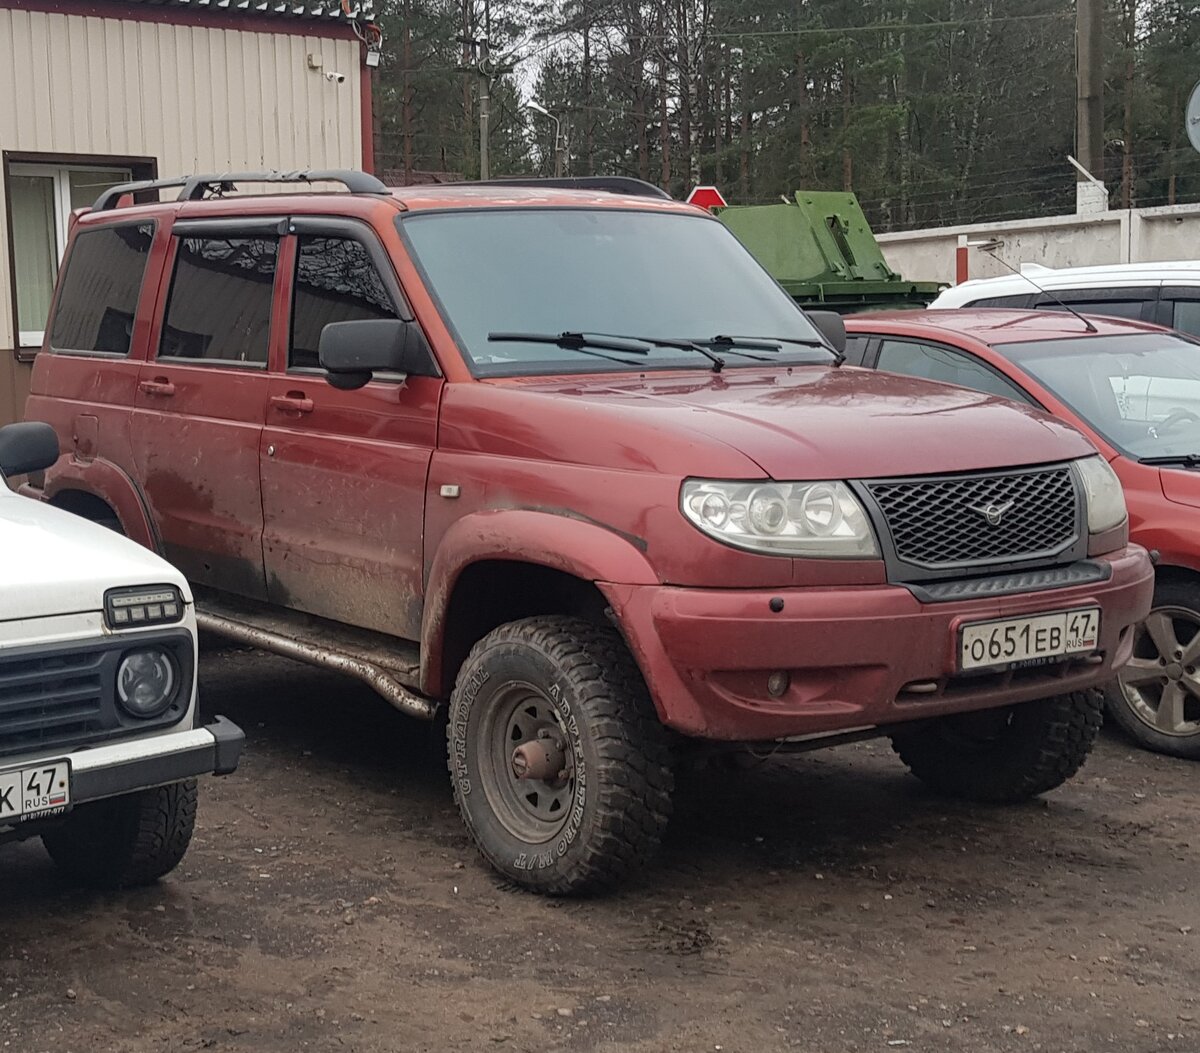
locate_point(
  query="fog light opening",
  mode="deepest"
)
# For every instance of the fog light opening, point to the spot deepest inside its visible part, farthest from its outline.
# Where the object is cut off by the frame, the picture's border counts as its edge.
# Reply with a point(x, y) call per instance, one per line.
point(778, 683)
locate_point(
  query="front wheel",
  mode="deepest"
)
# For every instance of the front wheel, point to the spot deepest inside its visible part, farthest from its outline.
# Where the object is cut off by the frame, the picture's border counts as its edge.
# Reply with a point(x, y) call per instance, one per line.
point(1156, 697)
point(1006, 755)
point(560, 767)
point(124, 841)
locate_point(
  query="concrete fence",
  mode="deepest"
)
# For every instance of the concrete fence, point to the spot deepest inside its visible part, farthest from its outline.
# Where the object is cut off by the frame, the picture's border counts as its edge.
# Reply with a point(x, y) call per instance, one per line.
point(1144, 235)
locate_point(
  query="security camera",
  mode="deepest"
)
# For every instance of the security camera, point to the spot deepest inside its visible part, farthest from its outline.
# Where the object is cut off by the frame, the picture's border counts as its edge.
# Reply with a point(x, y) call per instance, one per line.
point(334, 77)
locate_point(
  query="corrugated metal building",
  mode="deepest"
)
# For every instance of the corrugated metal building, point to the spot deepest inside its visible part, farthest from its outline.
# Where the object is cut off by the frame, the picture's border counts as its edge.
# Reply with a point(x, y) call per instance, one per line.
point(100, 91)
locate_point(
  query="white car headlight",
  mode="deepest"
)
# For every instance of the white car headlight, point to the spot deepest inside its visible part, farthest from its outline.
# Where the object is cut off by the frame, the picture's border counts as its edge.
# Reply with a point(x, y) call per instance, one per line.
point(781, 519)
point(1105, 498)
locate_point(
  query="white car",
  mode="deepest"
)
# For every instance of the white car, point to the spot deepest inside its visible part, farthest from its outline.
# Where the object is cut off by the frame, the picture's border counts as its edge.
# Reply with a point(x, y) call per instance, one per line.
point(1165, 293)
point(99, 743)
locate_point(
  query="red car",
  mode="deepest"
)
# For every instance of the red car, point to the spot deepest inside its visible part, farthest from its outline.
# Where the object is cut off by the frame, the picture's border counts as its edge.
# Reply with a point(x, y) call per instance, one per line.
point(564, 464)
point(1134, 390)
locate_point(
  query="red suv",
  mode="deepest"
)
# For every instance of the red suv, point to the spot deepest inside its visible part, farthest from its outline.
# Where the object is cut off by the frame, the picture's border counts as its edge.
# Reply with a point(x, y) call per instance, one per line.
point(1134, 390)
point(563, 463)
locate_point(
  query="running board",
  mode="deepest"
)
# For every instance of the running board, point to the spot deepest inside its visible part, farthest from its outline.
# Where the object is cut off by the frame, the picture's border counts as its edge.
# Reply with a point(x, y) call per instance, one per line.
point(390, 666)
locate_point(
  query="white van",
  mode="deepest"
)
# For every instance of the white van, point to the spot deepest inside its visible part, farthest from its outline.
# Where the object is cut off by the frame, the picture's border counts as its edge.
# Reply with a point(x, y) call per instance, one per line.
point(1164, 293)
point(99, 743)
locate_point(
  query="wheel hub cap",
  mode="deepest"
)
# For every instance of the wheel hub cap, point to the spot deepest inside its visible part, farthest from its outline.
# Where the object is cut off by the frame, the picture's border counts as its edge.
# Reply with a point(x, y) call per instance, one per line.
point(1161, 684)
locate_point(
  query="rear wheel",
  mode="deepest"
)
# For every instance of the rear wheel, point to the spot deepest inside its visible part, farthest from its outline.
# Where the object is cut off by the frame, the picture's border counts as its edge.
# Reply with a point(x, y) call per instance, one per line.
point(1003, 755)
point(1156, 697)
point(123, 841)
point(560, 767)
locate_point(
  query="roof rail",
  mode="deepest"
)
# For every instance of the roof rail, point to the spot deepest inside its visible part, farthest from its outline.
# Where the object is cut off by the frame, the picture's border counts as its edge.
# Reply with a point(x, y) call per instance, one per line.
point(197, 186)
point(611, 184)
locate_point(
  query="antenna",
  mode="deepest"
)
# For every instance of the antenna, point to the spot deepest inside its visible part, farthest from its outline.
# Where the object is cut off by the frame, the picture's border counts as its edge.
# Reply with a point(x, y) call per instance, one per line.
point(991, 251)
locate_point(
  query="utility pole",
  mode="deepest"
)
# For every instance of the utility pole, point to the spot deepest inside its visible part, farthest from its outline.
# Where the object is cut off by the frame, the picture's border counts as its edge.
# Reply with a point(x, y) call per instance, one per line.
point(483, 67)
point(1089, 69)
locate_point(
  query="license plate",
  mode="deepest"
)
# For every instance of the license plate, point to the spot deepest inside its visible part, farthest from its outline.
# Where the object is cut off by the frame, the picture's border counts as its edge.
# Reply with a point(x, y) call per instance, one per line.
point(41, 789)
point(1017, 641)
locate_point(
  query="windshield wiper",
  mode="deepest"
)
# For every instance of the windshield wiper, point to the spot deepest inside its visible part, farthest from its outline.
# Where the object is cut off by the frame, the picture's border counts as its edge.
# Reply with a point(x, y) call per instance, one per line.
point(772, 343)
point(1188, 460)
point(584, 344)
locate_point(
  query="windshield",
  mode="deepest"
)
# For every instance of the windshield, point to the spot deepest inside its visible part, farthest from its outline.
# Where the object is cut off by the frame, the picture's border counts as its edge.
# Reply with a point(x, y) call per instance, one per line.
point(599, 271)
point(1142, 393)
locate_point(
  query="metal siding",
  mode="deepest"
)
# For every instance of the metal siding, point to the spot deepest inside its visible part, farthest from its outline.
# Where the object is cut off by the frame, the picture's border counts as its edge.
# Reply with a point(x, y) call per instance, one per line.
point(195, 98)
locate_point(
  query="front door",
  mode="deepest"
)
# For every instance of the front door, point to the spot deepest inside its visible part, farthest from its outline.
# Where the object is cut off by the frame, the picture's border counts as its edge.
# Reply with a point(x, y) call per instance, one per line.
point(343, 472)
point(201, 398)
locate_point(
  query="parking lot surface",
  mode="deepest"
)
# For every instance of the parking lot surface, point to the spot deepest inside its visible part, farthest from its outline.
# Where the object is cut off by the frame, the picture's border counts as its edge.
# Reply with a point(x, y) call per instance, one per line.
point(823, 903)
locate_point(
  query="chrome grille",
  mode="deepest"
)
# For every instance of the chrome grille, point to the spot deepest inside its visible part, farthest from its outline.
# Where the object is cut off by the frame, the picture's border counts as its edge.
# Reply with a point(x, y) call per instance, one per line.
point(50, 700)
point(944, 523)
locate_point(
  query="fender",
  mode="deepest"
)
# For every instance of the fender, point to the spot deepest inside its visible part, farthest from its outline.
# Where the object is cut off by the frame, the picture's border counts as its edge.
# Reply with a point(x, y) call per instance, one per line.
point(583, 548)
point(112, 485)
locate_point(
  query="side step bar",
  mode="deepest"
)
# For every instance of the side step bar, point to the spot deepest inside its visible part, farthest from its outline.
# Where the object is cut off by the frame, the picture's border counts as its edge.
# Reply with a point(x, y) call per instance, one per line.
point(324, 644)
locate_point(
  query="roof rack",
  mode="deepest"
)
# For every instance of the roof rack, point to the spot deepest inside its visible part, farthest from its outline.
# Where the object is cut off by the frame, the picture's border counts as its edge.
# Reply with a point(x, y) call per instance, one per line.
point(196, 187)
point(611, 184)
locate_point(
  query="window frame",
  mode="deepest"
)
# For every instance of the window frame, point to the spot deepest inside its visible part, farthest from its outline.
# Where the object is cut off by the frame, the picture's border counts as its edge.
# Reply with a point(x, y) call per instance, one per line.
point(148, 283)
point(1026, 399)
point(25, 349)
point(346, 230)
point(216, 229)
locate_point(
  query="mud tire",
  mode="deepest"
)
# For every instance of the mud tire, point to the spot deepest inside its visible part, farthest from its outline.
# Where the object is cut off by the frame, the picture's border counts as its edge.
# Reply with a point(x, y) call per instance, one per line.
point(622, 778)
point(1003, 756)
point(126, 841)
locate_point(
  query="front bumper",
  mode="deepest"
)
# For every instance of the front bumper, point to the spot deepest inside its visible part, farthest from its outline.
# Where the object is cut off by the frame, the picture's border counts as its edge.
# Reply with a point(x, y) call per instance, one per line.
point(139, 764)
point(850, 652)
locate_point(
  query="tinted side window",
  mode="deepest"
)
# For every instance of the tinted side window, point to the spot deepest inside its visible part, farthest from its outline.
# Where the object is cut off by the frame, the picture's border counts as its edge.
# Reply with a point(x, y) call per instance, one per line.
point(336, 281)
point(219, 307)
point(1187, 317)
point(950, 367)
point(1002, 301)
point(1115, 308)
point(100, 290)
point(856, 348)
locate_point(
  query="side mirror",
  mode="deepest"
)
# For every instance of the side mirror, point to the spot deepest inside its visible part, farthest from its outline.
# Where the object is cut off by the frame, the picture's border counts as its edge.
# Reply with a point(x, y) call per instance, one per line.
point(28, 447)
point(830, 325)
point(351, 352)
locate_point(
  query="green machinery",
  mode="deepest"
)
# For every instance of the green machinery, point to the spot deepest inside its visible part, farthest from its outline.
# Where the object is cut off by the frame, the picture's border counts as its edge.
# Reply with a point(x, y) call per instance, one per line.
point(820, 248)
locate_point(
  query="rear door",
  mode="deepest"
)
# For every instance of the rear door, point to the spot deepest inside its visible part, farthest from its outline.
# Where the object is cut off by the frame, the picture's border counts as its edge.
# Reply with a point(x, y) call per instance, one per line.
point(201, 398)
point(344, 472)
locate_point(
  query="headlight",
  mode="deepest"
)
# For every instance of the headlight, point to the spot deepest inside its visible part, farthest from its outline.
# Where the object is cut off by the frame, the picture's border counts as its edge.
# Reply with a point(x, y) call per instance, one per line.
point(146, 682)
point(782, 519)
point(1105, 498)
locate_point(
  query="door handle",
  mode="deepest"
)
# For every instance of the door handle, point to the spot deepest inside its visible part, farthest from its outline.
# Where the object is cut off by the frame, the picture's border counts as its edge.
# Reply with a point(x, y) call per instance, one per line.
point(292, 402)
point(159, 386)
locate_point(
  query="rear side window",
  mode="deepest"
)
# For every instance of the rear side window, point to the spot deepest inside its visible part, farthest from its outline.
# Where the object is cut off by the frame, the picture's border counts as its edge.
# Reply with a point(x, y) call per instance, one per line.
point(1187, 317)
point(219, 307)
point(933, 362)
point(100, 290)
point(1112, 308)
point(336, 281)
point(1002, 301)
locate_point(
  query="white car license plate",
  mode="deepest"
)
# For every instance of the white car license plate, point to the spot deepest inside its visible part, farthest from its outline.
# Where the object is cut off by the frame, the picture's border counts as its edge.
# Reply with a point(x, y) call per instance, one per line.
point(36, 790)
point(1016, 641)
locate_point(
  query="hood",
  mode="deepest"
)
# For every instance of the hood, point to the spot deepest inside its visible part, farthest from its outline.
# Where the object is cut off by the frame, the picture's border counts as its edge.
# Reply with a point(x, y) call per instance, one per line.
point(53, 562)
point(805, 422)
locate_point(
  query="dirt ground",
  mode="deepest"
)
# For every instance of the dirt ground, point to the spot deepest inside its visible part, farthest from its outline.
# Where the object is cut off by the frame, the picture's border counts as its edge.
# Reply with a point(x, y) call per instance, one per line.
point(822, 903)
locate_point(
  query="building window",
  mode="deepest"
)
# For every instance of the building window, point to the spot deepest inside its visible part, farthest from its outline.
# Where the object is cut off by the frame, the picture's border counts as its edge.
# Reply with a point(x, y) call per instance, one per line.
point(41, 199)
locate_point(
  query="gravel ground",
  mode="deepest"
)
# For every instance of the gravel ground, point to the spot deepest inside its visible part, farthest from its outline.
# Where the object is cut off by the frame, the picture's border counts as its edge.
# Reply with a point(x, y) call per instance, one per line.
point(823, 903)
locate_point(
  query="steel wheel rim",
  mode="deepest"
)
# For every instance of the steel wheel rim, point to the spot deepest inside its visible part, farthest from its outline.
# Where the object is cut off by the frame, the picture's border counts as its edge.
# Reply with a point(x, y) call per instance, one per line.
point(532, 810)
point(1161, 683)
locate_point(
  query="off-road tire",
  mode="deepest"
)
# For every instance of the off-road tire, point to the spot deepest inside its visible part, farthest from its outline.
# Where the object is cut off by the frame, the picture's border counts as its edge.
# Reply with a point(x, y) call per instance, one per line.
point(1028, 749)
point(618, 750)
point(125, 841)
point(1170, 594)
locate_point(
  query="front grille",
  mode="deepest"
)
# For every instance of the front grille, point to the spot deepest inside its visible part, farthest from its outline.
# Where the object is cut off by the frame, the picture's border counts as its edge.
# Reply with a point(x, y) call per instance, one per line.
point(967, 521)
point(57, 697)
point(50, 700)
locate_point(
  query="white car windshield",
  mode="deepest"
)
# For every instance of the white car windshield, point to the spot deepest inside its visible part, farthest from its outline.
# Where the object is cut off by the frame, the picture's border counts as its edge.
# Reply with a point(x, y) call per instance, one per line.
point(609, 281)
point(1141, 392)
